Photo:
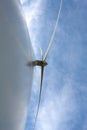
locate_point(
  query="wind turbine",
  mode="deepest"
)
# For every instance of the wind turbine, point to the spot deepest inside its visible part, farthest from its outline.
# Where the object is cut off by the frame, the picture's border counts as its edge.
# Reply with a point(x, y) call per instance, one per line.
point(42, 63)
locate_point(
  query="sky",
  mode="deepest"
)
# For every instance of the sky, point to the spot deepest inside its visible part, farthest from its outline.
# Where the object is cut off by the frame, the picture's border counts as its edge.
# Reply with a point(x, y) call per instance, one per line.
point(64, 95)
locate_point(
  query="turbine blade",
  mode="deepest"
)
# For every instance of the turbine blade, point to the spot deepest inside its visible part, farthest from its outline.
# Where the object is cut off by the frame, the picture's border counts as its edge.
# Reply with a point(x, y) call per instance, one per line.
point(42, 71)
point(54, 31)
point(41, 52)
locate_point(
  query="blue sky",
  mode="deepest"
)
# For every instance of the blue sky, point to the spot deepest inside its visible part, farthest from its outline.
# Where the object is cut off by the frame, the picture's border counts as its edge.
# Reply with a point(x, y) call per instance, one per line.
point(64, 97)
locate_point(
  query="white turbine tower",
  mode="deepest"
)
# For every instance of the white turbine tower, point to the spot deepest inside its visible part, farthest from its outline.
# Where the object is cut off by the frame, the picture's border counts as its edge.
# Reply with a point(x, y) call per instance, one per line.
point(15, 77)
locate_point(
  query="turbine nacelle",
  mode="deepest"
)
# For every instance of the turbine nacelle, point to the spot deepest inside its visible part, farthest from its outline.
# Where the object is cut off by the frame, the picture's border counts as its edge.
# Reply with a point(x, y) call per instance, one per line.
point(37, 63)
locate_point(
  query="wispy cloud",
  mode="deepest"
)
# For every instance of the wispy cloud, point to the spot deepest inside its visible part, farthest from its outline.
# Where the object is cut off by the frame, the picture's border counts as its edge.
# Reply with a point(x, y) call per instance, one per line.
point(32, 14)
point(31, 11)
point(65, 78)
point(62, 107)
point(58, 109)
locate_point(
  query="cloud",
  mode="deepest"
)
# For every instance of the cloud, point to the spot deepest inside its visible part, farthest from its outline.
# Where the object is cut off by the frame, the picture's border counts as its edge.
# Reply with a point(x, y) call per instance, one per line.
point(65, 79)
point(64, 93)
point(33, 13)
point(15, 76)
point(58, 108)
